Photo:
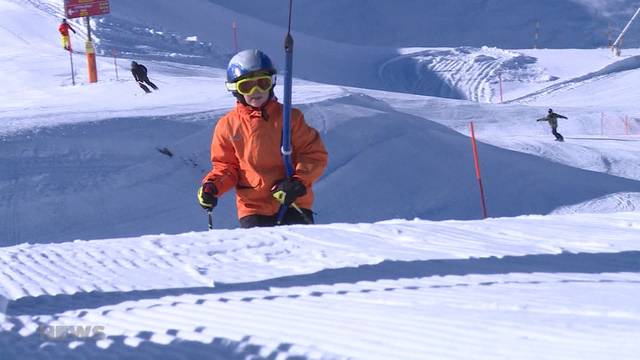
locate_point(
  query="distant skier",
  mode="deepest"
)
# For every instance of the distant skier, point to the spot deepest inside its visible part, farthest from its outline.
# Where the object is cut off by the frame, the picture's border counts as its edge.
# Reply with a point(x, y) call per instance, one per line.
point(552, 118)
point(245, 150)
point(139, 72)
point(64, 31)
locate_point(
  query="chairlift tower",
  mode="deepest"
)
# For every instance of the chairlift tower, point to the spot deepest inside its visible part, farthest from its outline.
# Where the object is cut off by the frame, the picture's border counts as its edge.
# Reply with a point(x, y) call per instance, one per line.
point(615, 47)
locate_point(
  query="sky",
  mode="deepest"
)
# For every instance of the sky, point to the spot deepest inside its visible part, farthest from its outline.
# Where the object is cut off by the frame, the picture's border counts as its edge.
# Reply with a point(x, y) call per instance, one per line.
point(100, 228)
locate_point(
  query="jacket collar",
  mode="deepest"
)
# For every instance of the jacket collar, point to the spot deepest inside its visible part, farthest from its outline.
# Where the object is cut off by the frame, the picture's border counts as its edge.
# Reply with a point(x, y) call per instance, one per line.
point(268, 108)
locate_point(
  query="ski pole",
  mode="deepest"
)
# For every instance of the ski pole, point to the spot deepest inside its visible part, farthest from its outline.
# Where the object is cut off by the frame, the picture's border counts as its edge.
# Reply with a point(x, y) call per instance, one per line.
point(304, 216)
point(210, 220)
point(286, 116)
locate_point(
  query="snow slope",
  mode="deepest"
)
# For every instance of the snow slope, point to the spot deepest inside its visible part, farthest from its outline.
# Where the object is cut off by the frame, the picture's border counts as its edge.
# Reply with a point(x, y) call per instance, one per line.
point(77, 176)
point(505, 24)
point(66, 155)
point(495, 75)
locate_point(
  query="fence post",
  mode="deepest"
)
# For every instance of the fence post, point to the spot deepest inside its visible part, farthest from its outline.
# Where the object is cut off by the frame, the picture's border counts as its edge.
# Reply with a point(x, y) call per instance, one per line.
point(626, 124)
point(115, 64)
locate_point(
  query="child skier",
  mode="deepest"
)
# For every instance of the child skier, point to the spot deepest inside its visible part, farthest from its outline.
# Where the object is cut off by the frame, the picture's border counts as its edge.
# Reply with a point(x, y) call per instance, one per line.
point(245, 150)
point(64, 32)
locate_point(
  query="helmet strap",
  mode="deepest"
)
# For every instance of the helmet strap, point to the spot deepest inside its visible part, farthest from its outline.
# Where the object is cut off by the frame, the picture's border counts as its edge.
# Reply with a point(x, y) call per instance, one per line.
point(240, 98)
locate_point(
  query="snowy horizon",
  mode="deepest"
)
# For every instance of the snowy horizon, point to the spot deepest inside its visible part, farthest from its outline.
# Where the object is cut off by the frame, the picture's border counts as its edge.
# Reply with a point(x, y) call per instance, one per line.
point(101, 233)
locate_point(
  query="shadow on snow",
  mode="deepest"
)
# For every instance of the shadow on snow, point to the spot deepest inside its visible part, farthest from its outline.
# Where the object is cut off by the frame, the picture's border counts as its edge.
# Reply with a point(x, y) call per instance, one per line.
point(36, 346)
point(585, 263)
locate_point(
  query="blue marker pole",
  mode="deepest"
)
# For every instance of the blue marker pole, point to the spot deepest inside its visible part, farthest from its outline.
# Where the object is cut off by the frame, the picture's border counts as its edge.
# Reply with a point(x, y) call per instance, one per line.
point(286, 122)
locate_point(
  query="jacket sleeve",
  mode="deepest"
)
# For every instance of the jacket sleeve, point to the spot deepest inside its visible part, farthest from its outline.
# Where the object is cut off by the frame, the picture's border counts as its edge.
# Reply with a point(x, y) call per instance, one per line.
point(135, 74)
point(309, 154)
point(561, 116)
point(225, 164)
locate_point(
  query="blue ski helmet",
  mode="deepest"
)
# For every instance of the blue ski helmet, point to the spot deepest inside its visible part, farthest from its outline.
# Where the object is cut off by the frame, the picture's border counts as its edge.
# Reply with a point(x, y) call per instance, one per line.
point(248, 62)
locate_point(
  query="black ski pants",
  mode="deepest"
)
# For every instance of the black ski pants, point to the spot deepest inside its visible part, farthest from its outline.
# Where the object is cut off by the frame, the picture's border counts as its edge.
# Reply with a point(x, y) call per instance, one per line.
point(291, 217)
point(555, 133)
point(146, 80)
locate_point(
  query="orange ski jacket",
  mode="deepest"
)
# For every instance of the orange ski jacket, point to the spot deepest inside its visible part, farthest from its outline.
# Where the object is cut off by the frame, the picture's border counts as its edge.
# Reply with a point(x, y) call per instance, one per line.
point(245, 154)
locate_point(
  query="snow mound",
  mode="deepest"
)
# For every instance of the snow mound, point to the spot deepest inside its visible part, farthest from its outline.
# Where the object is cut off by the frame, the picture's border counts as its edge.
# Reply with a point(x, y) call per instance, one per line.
point(627, 64)
point(460, 73)
point(619, 202)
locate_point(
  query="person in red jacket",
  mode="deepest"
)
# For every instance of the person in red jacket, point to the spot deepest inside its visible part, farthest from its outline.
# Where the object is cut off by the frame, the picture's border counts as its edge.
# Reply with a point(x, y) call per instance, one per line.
point(64, 31)
point(245, 150)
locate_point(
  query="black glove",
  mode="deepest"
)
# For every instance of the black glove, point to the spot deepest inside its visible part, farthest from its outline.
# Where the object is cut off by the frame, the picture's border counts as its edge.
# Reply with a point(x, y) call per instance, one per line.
point(207, 196)
point(288, 190)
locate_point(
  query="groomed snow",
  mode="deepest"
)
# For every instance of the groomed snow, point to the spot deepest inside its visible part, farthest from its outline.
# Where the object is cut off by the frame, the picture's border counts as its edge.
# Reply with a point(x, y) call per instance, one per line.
point(100, 232)
point(528, 287)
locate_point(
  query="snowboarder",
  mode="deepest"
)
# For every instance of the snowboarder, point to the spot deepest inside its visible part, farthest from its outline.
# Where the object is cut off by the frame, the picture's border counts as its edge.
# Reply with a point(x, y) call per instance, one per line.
point(245, 150)
point(552, 118)
point(64, 31)
point(139, 72)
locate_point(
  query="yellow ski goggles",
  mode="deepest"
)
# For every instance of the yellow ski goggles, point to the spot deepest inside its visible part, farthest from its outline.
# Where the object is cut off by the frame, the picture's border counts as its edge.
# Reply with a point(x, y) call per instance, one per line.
point(248, 86)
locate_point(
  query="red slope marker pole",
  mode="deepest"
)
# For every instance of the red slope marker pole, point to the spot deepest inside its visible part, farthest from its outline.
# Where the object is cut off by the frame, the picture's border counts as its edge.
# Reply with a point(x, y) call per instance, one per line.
point(477, 165)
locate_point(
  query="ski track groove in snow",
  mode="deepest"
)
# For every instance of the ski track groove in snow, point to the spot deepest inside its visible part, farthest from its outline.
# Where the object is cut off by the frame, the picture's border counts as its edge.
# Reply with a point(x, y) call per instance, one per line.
point(268, 291)
point(98, 266)
point(289, 313)
point(460, 69)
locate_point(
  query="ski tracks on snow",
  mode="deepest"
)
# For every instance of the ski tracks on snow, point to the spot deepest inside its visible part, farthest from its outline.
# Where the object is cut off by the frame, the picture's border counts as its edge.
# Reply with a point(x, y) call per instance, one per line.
point(472, 72)
point(395, 289)
point(630, 63)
